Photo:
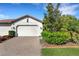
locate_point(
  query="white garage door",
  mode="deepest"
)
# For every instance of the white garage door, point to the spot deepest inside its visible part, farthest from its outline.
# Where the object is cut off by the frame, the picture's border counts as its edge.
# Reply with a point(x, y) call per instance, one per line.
point(4, 30)
point(28, 30)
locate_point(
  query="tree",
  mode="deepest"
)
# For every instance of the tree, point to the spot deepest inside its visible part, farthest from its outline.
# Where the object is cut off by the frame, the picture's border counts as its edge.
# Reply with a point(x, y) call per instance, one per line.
point(45, 23)
point(70, 24)
point(57, 16)
point(50, 22)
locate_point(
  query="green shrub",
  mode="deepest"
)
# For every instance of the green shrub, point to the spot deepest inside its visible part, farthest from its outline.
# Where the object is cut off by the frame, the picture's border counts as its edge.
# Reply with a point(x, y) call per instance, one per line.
point(12, 33)
point(55, 37)
point(76, 38)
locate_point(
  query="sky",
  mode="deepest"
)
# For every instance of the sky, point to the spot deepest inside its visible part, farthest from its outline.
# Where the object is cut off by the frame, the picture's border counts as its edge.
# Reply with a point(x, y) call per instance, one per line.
point(37, 10)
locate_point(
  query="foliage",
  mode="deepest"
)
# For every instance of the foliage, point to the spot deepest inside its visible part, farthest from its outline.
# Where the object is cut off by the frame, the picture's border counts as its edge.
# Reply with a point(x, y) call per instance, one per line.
point(12, 33)
point(54, 22)
point(70, 23)
point(55, 37)
point(50, 22)
point(75, 37)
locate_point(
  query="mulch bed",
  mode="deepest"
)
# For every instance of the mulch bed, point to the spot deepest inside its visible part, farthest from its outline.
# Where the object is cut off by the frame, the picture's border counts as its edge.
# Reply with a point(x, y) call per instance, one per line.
point(68, 45)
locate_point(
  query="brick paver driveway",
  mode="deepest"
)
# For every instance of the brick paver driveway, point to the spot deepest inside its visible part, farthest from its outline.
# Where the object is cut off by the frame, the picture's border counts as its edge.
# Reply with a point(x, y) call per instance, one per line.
point(21, 46)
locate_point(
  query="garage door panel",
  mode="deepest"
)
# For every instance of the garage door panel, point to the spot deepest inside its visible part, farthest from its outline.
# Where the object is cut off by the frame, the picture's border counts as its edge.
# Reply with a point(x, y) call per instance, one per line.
point(27, 31)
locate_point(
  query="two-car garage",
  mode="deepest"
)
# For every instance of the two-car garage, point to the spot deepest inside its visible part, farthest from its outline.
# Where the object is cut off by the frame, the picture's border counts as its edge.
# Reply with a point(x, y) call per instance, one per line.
point(27, 26)
point(28, 30)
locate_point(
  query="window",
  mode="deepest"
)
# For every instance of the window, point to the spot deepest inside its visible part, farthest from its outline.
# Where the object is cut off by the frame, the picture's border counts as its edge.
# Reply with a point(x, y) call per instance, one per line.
point(27, 20)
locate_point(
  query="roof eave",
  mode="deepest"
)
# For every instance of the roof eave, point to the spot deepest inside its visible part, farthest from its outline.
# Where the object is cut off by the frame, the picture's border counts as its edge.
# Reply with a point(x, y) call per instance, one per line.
point(25, 17)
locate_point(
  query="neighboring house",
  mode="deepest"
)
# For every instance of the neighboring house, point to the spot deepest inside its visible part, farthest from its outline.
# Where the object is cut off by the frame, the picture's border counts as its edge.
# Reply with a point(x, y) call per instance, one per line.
point(23, 26)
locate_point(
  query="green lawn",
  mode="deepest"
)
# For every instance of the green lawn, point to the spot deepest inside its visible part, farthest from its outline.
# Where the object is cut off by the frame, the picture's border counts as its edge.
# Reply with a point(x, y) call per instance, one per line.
point(60, 51)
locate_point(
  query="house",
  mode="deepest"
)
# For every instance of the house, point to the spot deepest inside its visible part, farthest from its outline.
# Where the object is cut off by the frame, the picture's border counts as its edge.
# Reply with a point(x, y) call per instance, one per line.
point(23, 26)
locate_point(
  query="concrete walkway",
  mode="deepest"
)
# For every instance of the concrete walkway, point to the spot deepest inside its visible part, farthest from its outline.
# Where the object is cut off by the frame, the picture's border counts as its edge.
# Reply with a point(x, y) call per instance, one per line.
point(21, 46)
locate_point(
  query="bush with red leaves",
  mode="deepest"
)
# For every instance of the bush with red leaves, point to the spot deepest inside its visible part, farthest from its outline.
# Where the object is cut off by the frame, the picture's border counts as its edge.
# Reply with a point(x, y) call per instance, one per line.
point(6, 37)
point(0, 38)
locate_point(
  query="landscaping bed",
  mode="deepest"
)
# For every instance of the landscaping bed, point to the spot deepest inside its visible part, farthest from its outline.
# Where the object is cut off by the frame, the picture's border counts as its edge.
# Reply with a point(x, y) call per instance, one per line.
point(5, 37)
point(67, 45)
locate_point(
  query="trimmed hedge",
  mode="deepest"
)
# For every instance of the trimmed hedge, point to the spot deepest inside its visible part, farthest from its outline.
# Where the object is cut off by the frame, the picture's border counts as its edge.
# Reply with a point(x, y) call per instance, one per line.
point(55, 37)
point(12, 33)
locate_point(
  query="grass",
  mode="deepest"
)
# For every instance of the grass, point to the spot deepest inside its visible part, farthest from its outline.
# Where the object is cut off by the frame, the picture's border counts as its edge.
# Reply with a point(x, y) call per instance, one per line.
point(60, 51)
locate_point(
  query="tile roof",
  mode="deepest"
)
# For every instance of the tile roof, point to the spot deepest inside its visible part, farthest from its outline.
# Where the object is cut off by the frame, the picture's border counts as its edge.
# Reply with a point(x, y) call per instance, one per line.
point(7, 21)
point(10, 21)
